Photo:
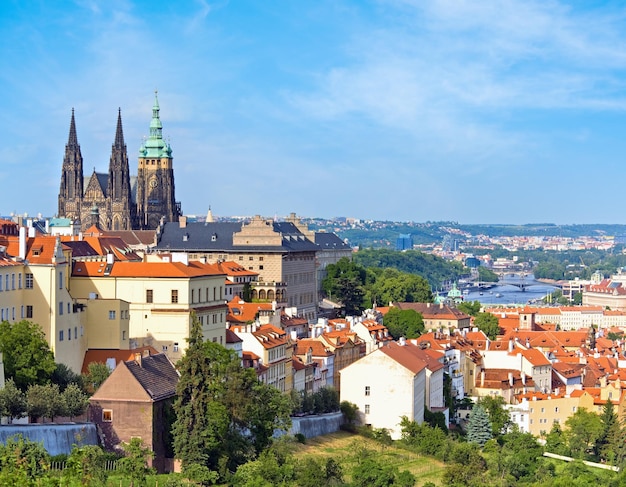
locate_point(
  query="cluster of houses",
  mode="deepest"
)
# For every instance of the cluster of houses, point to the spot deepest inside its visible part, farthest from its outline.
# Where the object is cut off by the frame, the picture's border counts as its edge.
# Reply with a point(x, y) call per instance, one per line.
point(128, 298)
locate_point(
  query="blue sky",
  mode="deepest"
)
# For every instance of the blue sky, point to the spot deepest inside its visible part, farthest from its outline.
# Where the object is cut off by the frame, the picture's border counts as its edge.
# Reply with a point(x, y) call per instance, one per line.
point(474, 111)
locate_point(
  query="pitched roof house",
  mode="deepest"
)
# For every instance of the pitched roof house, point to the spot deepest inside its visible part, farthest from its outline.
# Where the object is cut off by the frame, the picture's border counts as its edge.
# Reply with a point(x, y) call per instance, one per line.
point(135, 401)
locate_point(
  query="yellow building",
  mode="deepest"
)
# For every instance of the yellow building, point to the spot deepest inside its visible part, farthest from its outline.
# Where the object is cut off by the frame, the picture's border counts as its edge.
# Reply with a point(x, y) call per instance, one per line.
point(161, 297)
point(35, 287)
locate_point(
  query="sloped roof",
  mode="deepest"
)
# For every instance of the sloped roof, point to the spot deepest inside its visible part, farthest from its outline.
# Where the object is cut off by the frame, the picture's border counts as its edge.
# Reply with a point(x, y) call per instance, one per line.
point(434, 311)
point(330, 241)
point(144, 269)
point(218, 236)
point(102, 355)
point(156, 374)
point(405, 355)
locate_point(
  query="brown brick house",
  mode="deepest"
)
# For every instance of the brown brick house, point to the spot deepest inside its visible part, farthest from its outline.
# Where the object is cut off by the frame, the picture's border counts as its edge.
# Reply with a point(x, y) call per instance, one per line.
point(135, 401)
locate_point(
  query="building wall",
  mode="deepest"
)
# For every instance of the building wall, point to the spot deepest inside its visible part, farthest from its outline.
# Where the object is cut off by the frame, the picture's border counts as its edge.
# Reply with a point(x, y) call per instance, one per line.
point(543, 414)
point(161, 323)
point(108, 323)
point(394, 391)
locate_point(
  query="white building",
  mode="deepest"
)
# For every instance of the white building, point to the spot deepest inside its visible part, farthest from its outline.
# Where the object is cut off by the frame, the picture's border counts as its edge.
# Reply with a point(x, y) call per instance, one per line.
point(386, 385)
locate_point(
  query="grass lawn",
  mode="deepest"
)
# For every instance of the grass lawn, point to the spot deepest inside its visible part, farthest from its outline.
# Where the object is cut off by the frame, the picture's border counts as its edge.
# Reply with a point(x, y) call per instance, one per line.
point(343, 445)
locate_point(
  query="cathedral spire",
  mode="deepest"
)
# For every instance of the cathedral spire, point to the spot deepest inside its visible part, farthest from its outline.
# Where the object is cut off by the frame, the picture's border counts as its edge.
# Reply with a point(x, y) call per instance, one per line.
point(72, 141)
point(119, 133)
point(156, 128)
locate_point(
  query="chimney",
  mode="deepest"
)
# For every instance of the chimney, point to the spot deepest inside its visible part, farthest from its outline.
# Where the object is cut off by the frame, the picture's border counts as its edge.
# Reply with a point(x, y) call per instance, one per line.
point(402, 341)
point(22, 243)
point(511, 379)
point(146, 352)
point(482, 378)
point(511, 345)
point(182, 221)
point(138, 358)
point(523, 378)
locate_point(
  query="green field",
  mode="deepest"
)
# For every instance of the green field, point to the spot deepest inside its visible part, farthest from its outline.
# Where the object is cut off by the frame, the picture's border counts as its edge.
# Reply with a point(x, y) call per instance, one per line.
point(342, 446)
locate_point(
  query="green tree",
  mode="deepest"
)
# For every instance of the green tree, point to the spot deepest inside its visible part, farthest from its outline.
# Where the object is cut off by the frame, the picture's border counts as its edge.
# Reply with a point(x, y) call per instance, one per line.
point(607, 443)
point(134, 464)
point(471, 309)
point(479, 429)
point(518, 457)
point(391, 285)
point(27, 357)
point(45, 401)
point(97, 373)
point(498, 415)
point(76, 401)
point(556, 441)
point(487, 275)
point(12, 401)
point(406, 323)
point(64, 376)
point(583, 429)
point(488, 324)
point(218, 413)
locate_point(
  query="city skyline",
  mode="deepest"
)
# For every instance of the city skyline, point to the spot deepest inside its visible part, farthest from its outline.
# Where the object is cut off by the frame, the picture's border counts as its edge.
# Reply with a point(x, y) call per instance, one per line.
point(503, 112)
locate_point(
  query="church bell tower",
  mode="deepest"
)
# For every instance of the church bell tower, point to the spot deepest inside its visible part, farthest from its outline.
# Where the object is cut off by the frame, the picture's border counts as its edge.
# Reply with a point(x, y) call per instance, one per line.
point(155, 178)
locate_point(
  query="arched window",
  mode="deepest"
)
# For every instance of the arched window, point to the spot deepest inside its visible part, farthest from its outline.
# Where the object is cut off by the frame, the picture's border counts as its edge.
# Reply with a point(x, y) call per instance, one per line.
point(254, 294)
point(270, 294)
point(262, 294)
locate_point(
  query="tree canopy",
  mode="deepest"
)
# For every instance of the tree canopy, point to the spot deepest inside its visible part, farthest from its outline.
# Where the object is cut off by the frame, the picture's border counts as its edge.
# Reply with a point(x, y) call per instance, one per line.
point(406, 323)
point(27, 357)
point(488, 324)
point(224, 415)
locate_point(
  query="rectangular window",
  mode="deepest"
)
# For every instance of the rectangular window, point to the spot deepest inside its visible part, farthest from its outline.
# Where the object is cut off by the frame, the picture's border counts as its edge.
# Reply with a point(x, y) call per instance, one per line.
point(19, 281)
point(60, 279)
point(61, 308)
point(69, 333)
point(13, 313)
point(367, 390)
point(29, 280)
point(111, 314)
point(22, 312)
point(12, 281)
point(69, 308)
point(123, 334)
point(75, 333)
point(149, 296)
point(0, 282)
point(107, 415)
point(367, 409)
point(193, 296)
point(174, 295)
point(6, 282)
point(176, 346)
point(61, 334)
point(29, 311)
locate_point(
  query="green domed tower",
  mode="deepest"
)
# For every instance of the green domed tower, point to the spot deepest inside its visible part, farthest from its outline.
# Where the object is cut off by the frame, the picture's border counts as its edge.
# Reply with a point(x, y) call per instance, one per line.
point(155, 178)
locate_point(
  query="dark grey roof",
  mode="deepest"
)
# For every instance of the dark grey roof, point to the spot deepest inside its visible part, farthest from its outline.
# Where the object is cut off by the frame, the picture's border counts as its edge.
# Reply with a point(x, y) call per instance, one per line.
point(218, 236)
point(327, 241)
point(156, 374)
point(80, 248)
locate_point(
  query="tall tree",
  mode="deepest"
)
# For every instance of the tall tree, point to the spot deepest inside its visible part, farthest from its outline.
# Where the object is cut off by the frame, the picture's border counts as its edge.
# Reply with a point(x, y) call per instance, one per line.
point(608, 442)
point(583, 429)
point(27, 356)
point(479, 426)
point(224, 415)
point(498, 415)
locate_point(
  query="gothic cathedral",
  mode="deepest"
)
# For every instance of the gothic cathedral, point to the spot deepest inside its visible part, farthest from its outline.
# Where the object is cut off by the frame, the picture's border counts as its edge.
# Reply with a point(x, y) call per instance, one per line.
point(117, 201)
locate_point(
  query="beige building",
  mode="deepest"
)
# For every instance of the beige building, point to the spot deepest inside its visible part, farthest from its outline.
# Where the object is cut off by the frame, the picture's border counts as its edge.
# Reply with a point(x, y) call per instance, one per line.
point(285, 257)
point(35, 286)
point(161, 297)
point(386, 385)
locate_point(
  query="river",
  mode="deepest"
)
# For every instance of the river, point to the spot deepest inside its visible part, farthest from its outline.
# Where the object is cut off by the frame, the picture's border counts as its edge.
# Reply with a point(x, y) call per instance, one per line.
point(506, 292)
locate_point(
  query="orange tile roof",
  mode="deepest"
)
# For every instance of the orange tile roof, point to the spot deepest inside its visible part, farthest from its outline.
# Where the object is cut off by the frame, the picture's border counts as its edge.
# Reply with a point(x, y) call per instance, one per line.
point(102, 355)
point(241, 312)
point(406, 356)
point(144, 269)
